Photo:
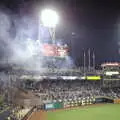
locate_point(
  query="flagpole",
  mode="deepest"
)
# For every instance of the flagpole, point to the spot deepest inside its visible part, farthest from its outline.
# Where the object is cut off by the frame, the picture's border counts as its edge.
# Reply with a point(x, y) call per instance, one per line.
point(89, 59)
point(84, 61)
point(93, 60)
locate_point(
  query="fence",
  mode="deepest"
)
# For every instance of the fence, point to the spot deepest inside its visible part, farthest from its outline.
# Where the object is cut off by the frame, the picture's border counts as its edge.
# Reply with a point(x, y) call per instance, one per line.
point(75, 103)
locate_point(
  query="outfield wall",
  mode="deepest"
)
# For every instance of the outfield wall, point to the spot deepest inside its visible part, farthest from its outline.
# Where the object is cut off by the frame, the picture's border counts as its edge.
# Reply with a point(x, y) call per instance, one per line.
point(103, 100)
point(76, 103)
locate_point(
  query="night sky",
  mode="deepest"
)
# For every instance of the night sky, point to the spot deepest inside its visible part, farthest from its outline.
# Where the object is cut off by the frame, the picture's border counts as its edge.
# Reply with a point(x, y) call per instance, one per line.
point(94, 25)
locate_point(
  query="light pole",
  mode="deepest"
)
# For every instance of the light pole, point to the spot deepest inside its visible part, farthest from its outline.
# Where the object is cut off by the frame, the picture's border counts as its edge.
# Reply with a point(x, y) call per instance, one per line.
point(50, 19)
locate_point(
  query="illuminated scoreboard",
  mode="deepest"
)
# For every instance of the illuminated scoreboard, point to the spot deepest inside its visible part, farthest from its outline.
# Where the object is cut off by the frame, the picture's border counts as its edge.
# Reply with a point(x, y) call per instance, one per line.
point(111, 74)
point(54, 50)
point(111, 66)
point(111, 71)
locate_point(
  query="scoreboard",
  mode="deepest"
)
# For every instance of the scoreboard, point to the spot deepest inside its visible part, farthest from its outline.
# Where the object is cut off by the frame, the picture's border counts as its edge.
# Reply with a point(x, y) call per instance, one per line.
point(111, 74)
point(111, 71)
point(54, 50)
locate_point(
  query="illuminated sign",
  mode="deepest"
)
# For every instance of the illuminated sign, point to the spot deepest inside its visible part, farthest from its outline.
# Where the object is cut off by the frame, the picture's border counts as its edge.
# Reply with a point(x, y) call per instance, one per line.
point(54, 50)
point(83, 77)
point(49, 50)
point(69, 77)
point(93, 77)
point(110, 64)
point(49, 106)
point(109, 73)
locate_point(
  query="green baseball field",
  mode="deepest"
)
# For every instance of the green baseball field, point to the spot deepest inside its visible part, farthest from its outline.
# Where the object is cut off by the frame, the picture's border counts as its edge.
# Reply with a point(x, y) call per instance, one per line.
point(95, 112)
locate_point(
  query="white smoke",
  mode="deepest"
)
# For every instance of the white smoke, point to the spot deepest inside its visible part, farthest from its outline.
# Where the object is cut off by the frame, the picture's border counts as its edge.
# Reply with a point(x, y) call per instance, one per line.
point(4, 27)
point(22, 49)
point(18, 48)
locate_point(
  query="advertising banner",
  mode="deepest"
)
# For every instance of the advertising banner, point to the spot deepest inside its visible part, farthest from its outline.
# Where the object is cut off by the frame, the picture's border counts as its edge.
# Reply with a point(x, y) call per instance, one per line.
point(57, 105)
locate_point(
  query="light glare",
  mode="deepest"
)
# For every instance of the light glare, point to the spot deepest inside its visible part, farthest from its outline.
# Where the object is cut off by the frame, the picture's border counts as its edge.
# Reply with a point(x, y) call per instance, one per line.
point(49, 18)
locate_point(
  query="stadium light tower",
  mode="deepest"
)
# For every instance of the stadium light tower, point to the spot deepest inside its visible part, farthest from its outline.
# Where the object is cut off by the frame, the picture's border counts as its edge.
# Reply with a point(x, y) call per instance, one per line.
point(50, 19)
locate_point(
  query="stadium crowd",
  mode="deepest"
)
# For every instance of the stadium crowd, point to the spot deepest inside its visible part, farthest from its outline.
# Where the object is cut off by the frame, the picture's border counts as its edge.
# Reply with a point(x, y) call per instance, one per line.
point(61, 90)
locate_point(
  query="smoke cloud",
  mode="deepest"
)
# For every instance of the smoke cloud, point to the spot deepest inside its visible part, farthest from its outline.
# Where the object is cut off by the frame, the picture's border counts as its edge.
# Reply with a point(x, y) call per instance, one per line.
point(18, 44)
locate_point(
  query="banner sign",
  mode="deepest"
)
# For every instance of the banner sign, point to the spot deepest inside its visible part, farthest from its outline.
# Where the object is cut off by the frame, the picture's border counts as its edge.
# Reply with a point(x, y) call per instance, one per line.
point(57, 105)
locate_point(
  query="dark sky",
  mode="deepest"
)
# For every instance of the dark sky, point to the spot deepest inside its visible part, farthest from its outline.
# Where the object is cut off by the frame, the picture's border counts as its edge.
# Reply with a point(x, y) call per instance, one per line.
point(93, 24)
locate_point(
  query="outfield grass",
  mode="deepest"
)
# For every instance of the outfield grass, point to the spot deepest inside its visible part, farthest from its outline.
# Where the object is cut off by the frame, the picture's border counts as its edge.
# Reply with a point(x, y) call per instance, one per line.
point(100, 112)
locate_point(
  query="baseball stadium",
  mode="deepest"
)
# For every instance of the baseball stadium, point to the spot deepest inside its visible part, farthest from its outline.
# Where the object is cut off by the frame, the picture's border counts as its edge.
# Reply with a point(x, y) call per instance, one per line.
point(56, 94)
point(60, 93)
point(52, 68)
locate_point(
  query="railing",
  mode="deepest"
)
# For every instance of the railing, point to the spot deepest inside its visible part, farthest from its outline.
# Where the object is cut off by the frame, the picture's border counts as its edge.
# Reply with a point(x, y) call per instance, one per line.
point(29, 113)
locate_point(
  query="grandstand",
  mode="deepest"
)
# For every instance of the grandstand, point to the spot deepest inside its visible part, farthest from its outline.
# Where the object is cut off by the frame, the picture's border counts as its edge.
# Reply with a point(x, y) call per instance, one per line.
point(64, 87)
point(71, 87)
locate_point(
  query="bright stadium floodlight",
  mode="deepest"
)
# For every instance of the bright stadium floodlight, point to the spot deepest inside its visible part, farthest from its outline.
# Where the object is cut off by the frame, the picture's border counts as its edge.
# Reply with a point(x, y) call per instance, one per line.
point(49, 18)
